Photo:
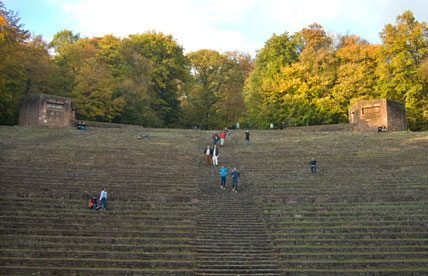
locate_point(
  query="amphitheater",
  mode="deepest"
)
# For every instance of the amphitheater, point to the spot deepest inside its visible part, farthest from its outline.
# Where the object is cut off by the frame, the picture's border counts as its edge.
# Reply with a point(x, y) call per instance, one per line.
point(364, 213)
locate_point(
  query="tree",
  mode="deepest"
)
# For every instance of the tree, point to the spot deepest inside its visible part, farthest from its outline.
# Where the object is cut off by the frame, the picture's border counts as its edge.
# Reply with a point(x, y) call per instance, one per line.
point(24, 65)
point(356, 74)
point(93, 94)
point(67, 61)
point(169, 70)
point(279, 51)
point(232, 105)
point(405, 46)
point(208, 68)
point(62, 39)
point(135, 88)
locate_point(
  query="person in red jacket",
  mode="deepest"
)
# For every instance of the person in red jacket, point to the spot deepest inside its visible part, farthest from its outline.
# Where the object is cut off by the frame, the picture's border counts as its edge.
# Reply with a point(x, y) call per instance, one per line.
point(222, 136)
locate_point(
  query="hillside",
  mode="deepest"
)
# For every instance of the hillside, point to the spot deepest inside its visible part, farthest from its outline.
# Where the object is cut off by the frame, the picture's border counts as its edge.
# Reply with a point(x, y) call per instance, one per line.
point(364, 212)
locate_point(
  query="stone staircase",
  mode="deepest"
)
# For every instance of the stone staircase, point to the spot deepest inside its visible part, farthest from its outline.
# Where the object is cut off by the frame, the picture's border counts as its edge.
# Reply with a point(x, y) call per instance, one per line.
point(231, 233)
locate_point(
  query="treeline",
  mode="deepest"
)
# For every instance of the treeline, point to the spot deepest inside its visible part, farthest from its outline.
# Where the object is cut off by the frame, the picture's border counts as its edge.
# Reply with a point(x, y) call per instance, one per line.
point(307, 78)
point(310, 78)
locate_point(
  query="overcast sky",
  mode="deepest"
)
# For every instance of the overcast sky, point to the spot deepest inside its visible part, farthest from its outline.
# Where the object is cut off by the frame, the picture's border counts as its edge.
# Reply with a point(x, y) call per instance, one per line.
point(222, 25)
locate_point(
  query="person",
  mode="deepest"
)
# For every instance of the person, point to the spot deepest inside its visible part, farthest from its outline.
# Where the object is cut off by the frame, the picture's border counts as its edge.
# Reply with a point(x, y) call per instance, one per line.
point(93, 204)
point(384, 128)
point(313, 164)
point(81, 125)
point(226, 131)
point(222, 136)
point(215, 138)
point(223, 174)
point(145, 136)
point(235, 178)
point(215, 156)
point(271, 126)
point(207, 153)
point(247, 138)
point(379, 129)
point(103, 199)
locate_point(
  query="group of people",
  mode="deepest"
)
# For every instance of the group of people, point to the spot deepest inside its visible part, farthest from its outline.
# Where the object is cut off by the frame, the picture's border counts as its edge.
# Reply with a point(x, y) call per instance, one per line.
point(280, 126)
point(81, 125)
point(235, 178)
point(212, 153)
point(93, 202)
point(382, 129)
point(220, 137)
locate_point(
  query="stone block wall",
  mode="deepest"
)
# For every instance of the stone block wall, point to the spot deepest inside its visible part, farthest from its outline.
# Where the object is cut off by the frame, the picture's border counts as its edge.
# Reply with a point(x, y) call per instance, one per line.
point(47, 110)
point(369, 115)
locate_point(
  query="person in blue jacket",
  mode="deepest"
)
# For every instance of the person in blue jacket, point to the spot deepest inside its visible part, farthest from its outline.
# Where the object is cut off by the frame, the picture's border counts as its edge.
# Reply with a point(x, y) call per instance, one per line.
point(235, 178)
point(223, 174)
point(313, 164)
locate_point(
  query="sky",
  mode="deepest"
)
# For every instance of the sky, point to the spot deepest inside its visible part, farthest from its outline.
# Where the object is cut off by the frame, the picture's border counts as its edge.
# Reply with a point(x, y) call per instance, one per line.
point(222, 25)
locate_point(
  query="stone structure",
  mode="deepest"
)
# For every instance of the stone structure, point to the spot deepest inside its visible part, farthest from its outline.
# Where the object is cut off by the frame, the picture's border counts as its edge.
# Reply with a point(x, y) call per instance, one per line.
point(369, 115)
point(47, 110)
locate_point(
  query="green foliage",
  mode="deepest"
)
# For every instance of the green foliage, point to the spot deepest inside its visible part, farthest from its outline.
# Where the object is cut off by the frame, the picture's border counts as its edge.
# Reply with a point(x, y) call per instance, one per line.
point(356, 74)
point(278, 52)
point(139, 77)
point(214, 98)
point(169, 70)
point(93, 94)
point(404, 49)
point(24, 66)
point(307, 78)
point(328, 77)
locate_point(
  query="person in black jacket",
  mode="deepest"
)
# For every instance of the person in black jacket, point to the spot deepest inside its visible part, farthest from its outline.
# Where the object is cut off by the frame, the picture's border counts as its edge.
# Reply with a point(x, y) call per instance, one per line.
point(247, 138)
point(208, 154)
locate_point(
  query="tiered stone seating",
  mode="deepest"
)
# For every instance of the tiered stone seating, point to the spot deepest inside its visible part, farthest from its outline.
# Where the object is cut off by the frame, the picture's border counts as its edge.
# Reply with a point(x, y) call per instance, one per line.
point(47, 177)
point(363, 213)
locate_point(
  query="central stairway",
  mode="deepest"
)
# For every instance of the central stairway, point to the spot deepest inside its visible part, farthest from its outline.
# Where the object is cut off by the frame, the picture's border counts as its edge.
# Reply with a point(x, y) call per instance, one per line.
point(232, 238)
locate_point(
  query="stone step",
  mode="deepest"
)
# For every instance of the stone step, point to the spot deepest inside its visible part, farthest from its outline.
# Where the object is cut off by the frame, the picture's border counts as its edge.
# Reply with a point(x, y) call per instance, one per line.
point(97, 254)
point(52, 270)
point(102, 263)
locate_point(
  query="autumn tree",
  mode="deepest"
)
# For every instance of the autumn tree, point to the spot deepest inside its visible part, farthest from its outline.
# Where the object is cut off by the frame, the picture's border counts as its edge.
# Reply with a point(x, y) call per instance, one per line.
point(356, 73)
point(279, 51)
point(405, 46)
point(67, 61)
point(208, 69)
point(93, 93)
point(24, 65)
point(169, 70)
point(135, 87)
point(232, 106)
point(213, 99)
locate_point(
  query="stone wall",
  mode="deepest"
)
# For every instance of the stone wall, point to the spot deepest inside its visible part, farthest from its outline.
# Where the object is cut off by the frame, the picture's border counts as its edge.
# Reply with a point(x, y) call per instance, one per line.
point(323, 128)
point(46, 110)
point(369, 115)
point(397, 119)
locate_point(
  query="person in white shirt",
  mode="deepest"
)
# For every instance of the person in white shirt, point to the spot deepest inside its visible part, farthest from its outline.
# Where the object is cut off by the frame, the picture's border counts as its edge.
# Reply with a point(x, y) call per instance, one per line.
point(103, 199)
point(215, 155)
point(207, 153)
